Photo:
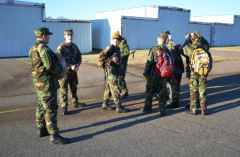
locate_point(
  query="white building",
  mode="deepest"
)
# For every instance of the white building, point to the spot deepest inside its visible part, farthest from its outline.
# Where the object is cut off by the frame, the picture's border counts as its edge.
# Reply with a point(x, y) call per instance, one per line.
point(141, 26)
point(19, 19)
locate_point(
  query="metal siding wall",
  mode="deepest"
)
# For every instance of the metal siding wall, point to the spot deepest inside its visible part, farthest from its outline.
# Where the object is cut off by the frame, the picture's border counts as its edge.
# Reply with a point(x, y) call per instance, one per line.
point(18, 25)
point(227, 35)
point(140, 34)
point(203, 29)
point(143, 33)
point(17, 29)
point(100, 33)
point(174, 21)
point(81, 34)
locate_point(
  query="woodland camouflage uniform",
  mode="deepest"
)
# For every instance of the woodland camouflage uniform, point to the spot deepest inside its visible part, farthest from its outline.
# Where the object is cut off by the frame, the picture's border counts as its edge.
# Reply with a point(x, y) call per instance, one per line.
point(124, 48)
point(44, 67)
point(197, 83)
point(175, 81)
point(72, 56)
point(154, 82)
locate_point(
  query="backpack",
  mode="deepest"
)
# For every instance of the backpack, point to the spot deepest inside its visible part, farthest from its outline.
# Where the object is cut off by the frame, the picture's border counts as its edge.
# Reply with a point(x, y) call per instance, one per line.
point(200, 62)
point(165, 63)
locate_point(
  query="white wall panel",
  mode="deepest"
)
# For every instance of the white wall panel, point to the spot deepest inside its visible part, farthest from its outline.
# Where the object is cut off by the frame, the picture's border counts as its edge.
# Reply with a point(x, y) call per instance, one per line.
point(19, 22)
point(101, 33)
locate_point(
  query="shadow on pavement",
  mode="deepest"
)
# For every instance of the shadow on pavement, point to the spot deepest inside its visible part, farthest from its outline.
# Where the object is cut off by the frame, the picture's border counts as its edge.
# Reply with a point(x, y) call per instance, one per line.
point(220, 89)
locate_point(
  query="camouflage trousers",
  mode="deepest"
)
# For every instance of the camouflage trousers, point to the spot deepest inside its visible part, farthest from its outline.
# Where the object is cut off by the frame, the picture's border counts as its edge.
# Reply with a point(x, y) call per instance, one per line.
point(112, 87)
point(71, 80)
point(156, 83)
point(46, 111)
point(122, 82)
point(198, 87)
point(174, 84)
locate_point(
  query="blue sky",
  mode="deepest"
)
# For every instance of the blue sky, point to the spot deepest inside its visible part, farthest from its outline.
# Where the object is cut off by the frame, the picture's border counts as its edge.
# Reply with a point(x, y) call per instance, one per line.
point(87, 9)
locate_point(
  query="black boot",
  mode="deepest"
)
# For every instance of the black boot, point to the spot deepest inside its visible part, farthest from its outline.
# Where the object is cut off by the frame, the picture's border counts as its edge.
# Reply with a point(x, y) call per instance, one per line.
point(64, 110)
point(192, 112)
point(42, 132)
point(105, 106)
point(120, 109)
point(146, 110)
point(173, 105)
point(204, 112)
point(162, 112)
point(57, 139)
point(82, 104)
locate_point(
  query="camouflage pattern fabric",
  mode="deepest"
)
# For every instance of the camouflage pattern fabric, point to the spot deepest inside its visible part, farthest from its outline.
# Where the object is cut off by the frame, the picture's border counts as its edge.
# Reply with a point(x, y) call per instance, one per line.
point(44, 69)
point(124, 48)
point(73, 57)
point(198, 87)
point(155, 82)
point(71, 80)
point(197, 84)
point(112, 72)
point(175, 81)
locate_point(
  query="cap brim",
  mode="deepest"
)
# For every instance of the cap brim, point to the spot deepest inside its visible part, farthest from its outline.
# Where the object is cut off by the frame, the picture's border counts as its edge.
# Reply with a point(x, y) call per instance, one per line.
point(50, 33)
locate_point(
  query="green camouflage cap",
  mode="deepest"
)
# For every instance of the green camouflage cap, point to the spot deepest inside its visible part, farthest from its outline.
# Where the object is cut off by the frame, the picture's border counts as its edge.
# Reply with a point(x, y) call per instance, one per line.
point(68, 32)
point(42, 31)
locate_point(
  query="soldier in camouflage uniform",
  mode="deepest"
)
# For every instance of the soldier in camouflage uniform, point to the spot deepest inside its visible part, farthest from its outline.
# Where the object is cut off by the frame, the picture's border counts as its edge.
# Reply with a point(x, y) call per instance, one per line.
point(73, 58)
point(197, 83)
point(204, 45)
point(44, 70)
point(110, 61)
point(124, 48)
point(175, 81)
point(153, 80)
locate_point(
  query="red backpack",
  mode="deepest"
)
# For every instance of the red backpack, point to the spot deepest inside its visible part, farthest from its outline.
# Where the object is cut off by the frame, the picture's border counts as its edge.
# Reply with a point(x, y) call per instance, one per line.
point(165, 62)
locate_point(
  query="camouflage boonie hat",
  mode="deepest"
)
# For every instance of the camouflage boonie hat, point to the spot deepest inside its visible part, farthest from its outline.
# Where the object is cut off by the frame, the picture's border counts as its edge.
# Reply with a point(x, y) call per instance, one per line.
point(42, 31)
point(195, 36)
point(166, 32)
point(68, 32)
point(163, 35)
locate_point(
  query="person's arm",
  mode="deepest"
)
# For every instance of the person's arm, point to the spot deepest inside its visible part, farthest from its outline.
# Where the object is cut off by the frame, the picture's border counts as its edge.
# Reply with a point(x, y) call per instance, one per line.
point(48, 60)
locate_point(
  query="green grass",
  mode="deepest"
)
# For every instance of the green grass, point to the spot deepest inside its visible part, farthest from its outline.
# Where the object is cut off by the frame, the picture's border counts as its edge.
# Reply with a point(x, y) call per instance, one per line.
point(227, 48)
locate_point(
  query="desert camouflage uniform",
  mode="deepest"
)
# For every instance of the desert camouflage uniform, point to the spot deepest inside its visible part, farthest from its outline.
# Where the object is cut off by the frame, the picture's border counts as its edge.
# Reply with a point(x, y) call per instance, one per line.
point(154, 82)
point(73, 56)
point(124, 48)
point(197, 83)
point(44, 67)
point(175, 81)
point(112, 73)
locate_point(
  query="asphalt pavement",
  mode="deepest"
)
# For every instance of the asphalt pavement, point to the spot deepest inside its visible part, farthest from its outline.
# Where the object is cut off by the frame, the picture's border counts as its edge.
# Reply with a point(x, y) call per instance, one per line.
point(97, 133)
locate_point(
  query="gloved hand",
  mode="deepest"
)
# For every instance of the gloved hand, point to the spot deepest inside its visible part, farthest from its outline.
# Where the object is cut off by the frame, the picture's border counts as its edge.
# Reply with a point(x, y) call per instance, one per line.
point(146, 78)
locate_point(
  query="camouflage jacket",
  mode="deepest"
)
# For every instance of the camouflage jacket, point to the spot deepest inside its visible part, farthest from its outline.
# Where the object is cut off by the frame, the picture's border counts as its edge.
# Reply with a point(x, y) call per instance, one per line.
point(71, 53)
point(176, 53)
point(152, 60)
point(124, 48)
point(44, 67)
point(106, 56)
